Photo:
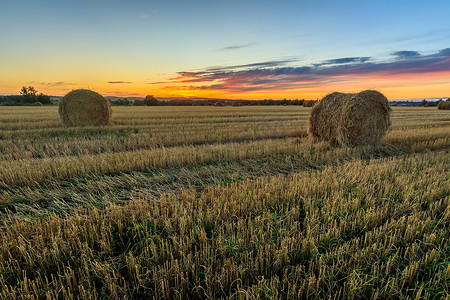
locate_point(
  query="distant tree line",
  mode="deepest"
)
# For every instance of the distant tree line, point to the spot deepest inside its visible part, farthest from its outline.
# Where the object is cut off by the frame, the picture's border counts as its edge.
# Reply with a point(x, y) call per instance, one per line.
point(152, 101)
point(28, 96)
point(431, 103)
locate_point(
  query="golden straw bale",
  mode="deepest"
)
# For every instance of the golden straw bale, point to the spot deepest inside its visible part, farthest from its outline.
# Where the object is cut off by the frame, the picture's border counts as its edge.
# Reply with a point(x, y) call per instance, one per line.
point(309, 103)
point(324, 117)
point(365, 118)
point(350, 119)
point(84, 108)
point(445, 105)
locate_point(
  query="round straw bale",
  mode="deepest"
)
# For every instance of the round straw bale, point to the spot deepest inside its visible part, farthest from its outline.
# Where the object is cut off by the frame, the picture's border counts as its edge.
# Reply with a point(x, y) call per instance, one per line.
point(309, 103)
point(444, 105)
point(324, 117)
point(84, 108)
point(365, 118)
point(350, 119)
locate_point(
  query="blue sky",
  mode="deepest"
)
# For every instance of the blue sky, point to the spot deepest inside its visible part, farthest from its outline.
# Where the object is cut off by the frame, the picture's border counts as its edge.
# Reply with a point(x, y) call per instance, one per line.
point(61, 45)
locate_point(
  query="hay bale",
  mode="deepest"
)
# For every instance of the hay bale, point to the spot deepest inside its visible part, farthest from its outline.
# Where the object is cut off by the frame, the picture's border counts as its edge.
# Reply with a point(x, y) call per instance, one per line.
point(350, 119)
point(309, 103)
point(84, 108)
point(37, 103)
point(365, 118)
point(444, 105)
point(324, 117)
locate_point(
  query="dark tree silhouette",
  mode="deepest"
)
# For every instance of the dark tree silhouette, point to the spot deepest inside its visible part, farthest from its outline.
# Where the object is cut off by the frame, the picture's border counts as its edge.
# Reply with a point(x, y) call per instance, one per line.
point(28, 91)
point(151, 101)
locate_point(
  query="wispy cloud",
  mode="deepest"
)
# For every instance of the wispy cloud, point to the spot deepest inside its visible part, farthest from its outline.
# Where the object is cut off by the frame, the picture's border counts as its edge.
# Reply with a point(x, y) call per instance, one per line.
point(285, 75)
point(119, 93)
point(345, 60)
point(445, 52)
point(236, 47)
point(265, 64)
point(221, 72)
point(421, 36)
point(143, 16)
point(406, 54)
point(120, 82)
point(52, 84)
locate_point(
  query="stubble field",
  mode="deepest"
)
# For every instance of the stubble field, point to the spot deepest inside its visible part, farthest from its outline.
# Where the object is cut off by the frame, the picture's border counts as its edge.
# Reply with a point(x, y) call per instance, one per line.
point(221, 202)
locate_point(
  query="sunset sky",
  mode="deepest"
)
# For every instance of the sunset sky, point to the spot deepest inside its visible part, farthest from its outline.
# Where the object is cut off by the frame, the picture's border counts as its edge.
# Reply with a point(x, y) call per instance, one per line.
point(226, 49)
